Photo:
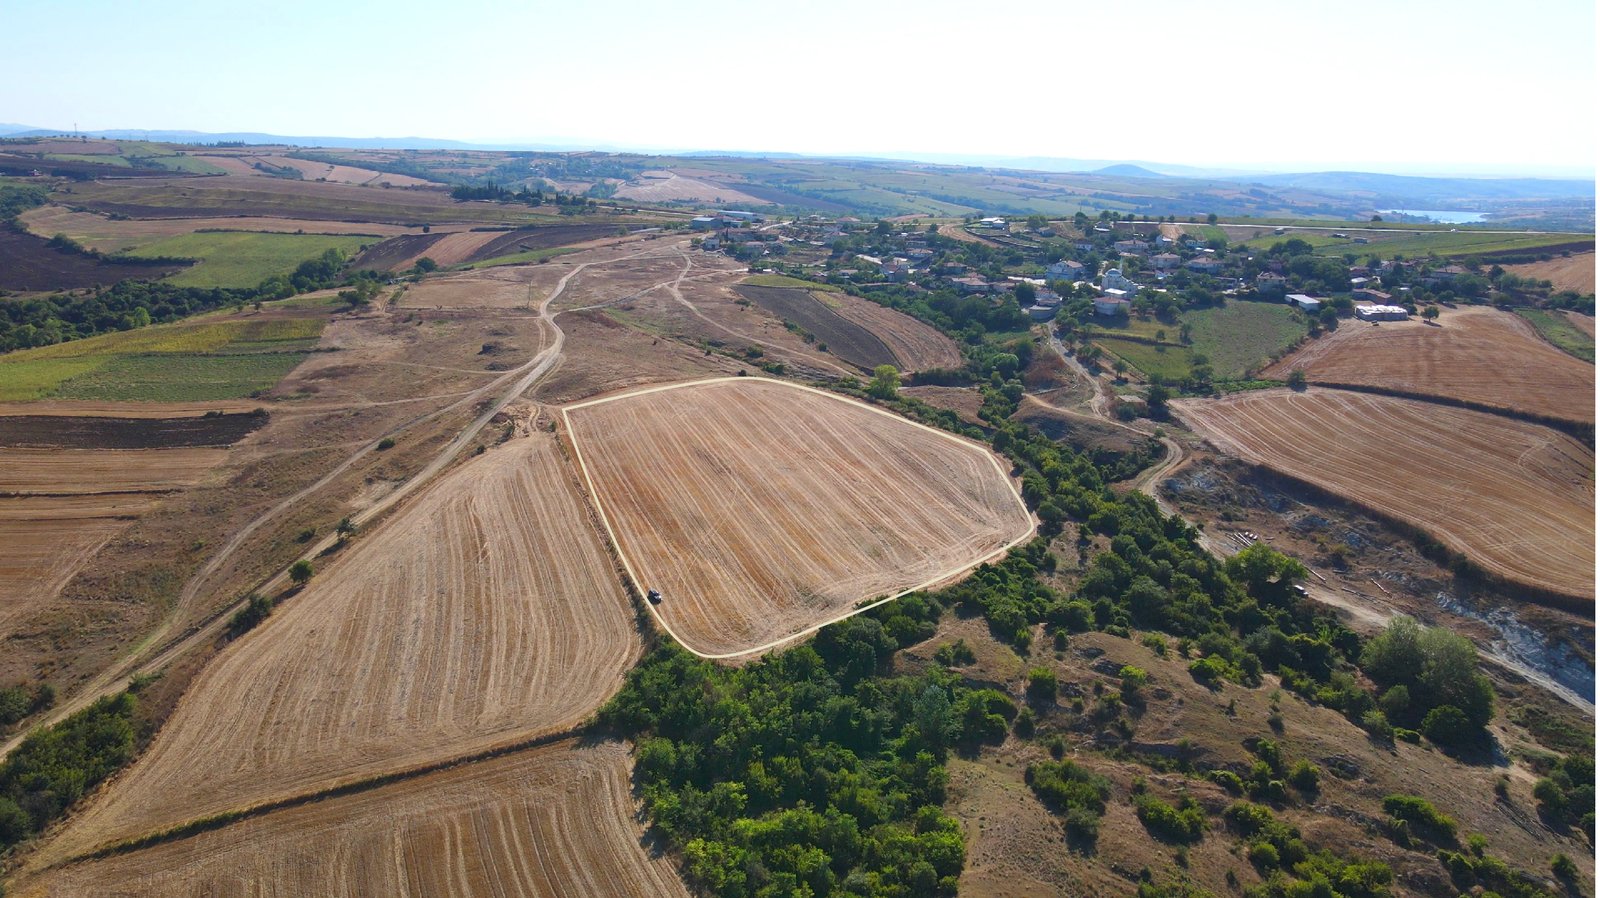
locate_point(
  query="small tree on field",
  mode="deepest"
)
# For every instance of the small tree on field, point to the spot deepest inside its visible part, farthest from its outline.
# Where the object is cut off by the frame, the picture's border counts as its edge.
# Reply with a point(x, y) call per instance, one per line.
point(1431, 312)
point(1297, 379)
point(300, 572)
point(885, 382)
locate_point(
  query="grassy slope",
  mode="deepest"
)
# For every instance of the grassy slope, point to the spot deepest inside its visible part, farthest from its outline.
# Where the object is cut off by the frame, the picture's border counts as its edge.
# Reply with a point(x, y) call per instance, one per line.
point(783, 280)
point(199, 359)
point(1553, 326)
point(243, 259)
point(1236, 337)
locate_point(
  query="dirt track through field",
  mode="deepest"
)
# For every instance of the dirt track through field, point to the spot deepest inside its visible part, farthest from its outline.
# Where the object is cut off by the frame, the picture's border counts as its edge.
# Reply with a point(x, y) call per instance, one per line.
point(1516, 498)
point(553, 822)
point(1475, 354)
point(488, 613)
point(764, 510)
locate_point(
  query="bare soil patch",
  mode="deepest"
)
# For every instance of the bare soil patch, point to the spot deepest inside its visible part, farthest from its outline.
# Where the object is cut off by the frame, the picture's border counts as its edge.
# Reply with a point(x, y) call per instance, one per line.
point(486, 613)
point(551, 822)
point(63, 432)
point(1515, 498)
point(1475, 354)
point(29, 263)
point(762, 510)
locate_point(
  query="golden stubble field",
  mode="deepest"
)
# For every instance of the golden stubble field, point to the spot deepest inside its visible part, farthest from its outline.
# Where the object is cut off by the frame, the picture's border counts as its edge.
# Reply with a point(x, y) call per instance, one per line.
point(763, 510)
point(1516, 498)
point(552, 822)
point(487, 614)
point(1476, 354)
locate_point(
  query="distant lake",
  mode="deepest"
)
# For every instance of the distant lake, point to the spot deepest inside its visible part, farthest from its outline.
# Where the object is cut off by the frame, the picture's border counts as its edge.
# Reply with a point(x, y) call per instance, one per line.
point(1443, 216)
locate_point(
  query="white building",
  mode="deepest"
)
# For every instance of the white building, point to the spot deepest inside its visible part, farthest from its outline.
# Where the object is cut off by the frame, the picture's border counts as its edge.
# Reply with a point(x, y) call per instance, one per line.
point(1305, 303)
point(1381, 313)
point(1065, 270)
point(1113, 280)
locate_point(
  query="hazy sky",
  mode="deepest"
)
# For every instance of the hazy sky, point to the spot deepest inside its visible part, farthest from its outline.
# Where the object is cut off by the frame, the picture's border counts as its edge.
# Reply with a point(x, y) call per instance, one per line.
point(1460, 85)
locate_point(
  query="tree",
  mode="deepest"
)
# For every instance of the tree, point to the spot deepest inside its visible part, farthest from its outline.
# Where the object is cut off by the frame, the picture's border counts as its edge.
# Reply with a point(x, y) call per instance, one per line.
point(885, 382)
point(1026, 294)
point(1297, 379)
point(1431, 312)
point(426, 264)
point(300, 572)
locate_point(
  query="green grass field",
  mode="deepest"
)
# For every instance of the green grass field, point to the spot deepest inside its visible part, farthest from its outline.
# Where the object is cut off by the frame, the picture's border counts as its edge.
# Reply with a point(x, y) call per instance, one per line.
point(190, 164)
point(244, 258)
point(1555, 327)
point(93, 158)
point(1235, 338)
point(1171, 362)
point(783, 280)
point(522, 258)
point(1444, 243)
point(199, 359)
point(1243, 335)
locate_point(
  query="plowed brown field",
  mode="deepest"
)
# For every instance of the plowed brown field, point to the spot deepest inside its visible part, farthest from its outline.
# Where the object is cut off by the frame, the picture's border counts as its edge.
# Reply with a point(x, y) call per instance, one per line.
point(487, 613)
point(763, 510)
point(1516, 498)
point(1477, 354)
point(549, 823)
point(917, 346)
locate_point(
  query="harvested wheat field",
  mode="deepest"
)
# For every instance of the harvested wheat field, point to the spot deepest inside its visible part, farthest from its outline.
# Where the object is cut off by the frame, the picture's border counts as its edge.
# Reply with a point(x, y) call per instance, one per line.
point(1516, 498)
point(486, 613)
point(58, 506)
point(763, 510)
point(110, 235)
point(1584, 323)
point(1574, 272)
point(667, 187)
point(916, 346)
point(552, 822)
point(1476, 354)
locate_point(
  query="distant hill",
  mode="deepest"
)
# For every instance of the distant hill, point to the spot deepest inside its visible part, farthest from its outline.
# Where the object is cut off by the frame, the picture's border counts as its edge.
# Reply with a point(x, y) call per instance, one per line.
point(1128, 170)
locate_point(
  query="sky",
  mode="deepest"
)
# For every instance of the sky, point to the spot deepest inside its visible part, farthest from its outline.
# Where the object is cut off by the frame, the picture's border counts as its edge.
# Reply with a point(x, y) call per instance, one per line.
point(1407, 86)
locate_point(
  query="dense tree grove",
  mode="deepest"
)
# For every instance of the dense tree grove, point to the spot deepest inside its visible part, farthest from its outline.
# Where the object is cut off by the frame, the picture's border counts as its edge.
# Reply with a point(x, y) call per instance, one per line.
point(55, 767)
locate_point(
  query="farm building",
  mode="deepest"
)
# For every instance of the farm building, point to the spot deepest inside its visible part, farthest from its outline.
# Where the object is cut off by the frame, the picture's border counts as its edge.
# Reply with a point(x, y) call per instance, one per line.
point(1305, 303)
point(1113, 303)
point(703, 223)
point(1377, 297)
point(736, 215)
point(1381, 313)
point(998, 224)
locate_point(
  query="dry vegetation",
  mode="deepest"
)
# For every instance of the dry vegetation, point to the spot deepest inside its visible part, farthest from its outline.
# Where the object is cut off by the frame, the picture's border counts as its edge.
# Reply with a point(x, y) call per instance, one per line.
point(488, 612)
point(111, 235)
point(59, 506)
point(1515, 498)
point(762, 510)
point(667, 187)
point(916, 346)
point(1475, 354)
point(1574, 272)
point(552, 822)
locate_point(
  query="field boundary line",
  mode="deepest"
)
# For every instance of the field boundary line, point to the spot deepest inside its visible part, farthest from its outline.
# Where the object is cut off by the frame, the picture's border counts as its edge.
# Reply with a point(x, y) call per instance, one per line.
point(638, 584)
point(225, 819)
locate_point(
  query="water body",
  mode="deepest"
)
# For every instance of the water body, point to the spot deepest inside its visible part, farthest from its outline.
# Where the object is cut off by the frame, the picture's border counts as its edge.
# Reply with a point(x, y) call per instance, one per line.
point(1443, 216)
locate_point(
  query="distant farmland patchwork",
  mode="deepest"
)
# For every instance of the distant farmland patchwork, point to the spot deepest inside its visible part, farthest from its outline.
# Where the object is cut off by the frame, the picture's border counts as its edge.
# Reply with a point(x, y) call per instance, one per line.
point(762, 510)
point(1515, 498)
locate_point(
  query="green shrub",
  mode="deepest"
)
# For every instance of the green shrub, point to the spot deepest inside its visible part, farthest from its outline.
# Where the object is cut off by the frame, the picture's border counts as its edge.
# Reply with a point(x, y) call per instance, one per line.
point(1076, 793)
point(1042, 684)
point(385, 444)
point(1183, 823)
point(1305, 776)
point(1421, 815)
